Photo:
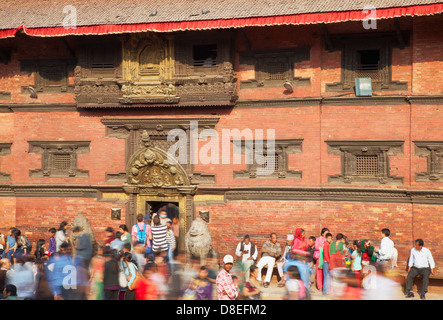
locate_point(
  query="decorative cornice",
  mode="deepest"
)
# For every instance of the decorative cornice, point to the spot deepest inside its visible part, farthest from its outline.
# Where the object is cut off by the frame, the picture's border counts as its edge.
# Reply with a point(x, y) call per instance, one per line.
point(336, 194)
point(375, 195)
point(341, 101)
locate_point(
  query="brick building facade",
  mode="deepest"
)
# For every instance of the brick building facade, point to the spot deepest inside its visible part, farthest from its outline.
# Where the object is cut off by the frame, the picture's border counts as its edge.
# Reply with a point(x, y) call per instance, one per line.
point(74, 106)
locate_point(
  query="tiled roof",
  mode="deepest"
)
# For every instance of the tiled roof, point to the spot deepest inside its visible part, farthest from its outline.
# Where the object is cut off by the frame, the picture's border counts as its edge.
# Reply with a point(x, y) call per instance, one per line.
point(49, 13)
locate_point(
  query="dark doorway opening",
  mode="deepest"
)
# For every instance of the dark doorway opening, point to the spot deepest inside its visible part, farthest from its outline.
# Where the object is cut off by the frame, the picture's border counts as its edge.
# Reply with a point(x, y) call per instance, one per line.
point(171, 208)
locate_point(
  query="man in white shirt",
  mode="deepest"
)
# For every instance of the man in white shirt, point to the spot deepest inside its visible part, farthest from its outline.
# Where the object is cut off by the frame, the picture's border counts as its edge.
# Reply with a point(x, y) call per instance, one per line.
point(421, 263)
point(247, 251)
point(386, 251)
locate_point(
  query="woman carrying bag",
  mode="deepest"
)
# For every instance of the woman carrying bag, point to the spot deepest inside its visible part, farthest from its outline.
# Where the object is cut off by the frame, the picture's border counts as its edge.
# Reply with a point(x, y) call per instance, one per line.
point(132, 275)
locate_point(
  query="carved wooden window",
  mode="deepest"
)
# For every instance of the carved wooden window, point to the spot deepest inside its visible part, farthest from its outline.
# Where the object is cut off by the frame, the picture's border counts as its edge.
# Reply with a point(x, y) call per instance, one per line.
point(366, 56)
point(204, 55)
point(273, 68)
point(5, 149)
point(365, 162)
point(433, 152)
point(50, 75)
point(59, 158)
point(269, 166)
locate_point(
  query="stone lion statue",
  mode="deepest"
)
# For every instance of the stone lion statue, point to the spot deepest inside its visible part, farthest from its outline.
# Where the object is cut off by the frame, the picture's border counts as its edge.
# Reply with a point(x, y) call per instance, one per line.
point(198, 241)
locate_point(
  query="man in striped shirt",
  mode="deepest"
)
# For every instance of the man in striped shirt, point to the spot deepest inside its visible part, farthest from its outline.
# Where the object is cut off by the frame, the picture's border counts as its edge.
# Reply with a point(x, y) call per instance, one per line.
point(159, 232)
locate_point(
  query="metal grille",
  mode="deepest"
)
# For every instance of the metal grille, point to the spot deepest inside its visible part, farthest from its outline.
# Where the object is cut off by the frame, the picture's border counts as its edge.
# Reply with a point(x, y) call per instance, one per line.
point(62, 161)
point(367, 165)
point(273, 163)
point(368, 73)
point(276, 71)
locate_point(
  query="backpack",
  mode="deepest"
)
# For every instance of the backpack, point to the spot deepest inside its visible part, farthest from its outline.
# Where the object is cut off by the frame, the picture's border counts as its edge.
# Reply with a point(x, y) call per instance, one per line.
point(141, 234)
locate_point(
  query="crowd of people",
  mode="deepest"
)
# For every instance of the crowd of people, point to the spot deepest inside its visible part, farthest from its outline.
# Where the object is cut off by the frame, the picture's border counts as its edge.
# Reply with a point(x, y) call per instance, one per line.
point(143, 263)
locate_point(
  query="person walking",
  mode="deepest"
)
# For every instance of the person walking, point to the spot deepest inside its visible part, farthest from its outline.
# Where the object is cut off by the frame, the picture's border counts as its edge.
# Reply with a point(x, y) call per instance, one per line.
point(251, 289)
point(420, 263)
point(226, 288)
point(271, 251)
point(111, 285)
point(159, 232)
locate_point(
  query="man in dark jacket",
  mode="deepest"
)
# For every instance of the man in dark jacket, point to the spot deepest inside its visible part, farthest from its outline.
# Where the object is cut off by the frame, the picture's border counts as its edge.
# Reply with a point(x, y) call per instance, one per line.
point(247, 252)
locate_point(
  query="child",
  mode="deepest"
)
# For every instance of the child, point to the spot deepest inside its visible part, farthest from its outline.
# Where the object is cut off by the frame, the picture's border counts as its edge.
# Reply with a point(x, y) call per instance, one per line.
point(146, 290)
point(295, 286)
point(190, 292)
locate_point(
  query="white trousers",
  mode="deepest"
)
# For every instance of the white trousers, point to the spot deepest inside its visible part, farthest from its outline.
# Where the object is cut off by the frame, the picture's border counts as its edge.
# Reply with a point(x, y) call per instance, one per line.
point(266, 261)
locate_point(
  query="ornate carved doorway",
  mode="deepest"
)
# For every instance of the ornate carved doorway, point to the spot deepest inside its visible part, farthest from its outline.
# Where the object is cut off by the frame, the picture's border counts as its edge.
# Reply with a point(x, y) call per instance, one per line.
point(155, 180)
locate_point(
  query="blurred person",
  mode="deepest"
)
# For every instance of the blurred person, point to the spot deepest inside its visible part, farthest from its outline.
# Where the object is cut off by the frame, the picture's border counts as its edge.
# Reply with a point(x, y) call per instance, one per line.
point(52, 243)
point(61, 236)
point(138, 254)
point(251, 289)
point(170, 239)
point(42, 287)
point(147, 289)
point(2, 244)
point(117, 244)
point(285, 257)
point(190, 292)
point(178, 274)
point(111, 285)
point(386, 250)
point(125, 237)
point(295, 286)
point(204, 286)
point(319, 257)
point(159, 231)
point(23, 277)
point(176, 230)
point(247, 252)
point(110, 236)
point(271, 251)
point(356, 265)
point(83, 248)
point(379, 287)
point(159, 276)
point(97, 273)
point(5, 266)
point(236, 282)
point(9, 245)
point(353, 291)
point(141, 232)
point(226, 288)
point(60, 268)
point(130, 269)
point(420, 263)
point(10, 292)
point(326, 262)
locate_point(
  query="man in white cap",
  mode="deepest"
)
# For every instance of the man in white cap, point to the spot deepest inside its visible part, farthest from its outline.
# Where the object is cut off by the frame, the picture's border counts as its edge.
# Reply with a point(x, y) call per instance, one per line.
point(226, 288)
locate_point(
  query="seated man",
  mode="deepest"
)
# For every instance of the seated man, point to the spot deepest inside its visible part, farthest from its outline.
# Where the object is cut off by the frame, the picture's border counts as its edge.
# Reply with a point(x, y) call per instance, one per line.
point(247, 252)
point(421, 263)
point(271, 251)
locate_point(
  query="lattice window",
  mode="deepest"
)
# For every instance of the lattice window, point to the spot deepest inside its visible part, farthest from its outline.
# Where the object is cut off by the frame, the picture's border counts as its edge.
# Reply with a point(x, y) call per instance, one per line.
point(273, 159)
point(276, 71)
point(62, 161)
point(366, 165)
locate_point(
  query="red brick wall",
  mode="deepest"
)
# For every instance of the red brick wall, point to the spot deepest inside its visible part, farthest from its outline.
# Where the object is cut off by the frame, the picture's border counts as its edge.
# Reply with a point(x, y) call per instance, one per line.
point(34, 216)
